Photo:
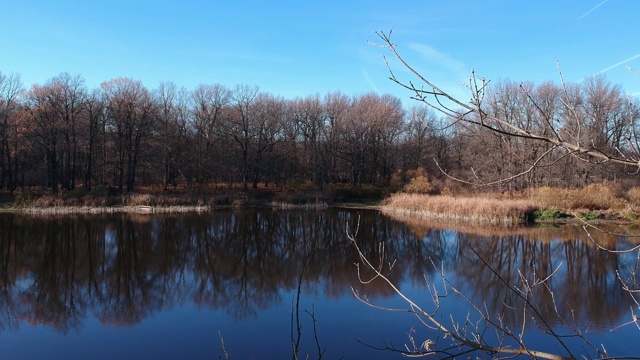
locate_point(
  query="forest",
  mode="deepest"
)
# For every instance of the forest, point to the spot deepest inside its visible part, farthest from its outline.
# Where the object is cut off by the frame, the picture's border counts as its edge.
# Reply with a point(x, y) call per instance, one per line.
point(62, 135)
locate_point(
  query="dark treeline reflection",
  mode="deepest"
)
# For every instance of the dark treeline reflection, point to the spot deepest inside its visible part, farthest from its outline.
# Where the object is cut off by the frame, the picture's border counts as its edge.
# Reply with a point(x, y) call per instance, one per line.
point(122, 268)
point(581, 286)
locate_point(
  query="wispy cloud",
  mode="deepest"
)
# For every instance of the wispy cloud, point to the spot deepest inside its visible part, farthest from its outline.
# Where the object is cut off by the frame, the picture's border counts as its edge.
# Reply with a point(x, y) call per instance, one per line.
point(590, 11)
point(367, 78)
point(618, 64)
point(440, 59)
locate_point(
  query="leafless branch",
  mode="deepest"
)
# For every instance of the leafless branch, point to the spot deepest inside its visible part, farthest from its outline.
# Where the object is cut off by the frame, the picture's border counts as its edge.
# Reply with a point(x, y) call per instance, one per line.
point(467, 338)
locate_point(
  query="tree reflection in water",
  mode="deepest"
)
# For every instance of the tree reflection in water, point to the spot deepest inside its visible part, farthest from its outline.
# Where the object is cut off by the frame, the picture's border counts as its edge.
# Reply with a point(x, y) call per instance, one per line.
point(123, 268)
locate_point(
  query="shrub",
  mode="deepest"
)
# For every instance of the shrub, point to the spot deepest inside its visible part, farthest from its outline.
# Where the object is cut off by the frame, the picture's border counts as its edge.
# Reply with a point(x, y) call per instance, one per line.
point(420, 185)
point(100, 190)
point(23, 196)
point(549, 214)
point(589, 215)
point(77, 193)
point(48, 201)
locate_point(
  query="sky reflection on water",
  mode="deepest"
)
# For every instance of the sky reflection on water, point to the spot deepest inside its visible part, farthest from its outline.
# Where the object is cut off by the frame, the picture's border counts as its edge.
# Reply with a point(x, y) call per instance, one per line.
point(142, 286)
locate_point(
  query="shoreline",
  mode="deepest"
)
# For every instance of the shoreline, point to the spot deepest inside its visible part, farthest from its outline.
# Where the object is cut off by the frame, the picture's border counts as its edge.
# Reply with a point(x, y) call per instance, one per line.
point(482, 211)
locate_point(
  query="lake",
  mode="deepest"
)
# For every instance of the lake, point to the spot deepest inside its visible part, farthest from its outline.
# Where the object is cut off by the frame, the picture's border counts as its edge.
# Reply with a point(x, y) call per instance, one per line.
point(251, 283)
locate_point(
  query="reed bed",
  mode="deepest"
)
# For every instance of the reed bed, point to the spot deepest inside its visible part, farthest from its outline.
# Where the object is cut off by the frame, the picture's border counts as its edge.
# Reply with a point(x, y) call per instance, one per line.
point(602, 196)
point(290, 206)
point(139, 209)
point(470, 210)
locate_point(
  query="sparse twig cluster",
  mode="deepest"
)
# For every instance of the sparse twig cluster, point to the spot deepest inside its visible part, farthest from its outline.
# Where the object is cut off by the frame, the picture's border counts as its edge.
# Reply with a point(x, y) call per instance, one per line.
point(481, 332)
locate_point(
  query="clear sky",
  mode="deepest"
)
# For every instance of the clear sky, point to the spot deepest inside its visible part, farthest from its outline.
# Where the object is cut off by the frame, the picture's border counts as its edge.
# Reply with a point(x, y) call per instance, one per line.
point(299, 48)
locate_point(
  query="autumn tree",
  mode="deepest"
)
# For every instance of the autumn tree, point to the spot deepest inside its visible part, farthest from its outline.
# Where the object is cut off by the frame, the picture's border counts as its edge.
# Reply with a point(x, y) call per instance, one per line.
point(54, 111)
point(367, 133)
point(73, 97)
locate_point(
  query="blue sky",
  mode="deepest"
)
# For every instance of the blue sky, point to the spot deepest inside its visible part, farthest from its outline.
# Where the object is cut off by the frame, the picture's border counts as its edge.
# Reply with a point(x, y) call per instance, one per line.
point(299, 48)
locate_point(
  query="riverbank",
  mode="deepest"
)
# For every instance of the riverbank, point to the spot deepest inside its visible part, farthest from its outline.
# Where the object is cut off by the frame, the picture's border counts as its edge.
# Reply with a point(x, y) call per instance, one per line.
point(594, 203)
point(178, 202)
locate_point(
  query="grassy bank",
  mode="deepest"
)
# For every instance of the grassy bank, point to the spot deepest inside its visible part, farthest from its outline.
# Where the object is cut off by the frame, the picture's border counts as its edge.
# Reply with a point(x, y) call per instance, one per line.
point(106, 200)
point(468, 209)
point(605, 201)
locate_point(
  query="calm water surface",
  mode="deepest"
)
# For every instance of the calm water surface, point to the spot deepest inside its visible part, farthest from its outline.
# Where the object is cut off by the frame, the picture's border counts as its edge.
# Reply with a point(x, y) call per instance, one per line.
point(164, 286)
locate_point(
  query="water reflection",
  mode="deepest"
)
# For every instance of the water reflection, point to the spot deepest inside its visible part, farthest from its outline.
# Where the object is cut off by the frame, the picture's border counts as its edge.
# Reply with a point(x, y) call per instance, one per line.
point(123, 268)
point(582, 287)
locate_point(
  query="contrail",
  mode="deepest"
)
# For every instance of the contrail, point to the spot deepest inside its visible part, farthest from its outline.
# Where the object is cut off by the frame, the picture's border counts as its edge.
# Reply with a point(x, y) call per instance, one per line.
point(589, 12)
point(620, 63)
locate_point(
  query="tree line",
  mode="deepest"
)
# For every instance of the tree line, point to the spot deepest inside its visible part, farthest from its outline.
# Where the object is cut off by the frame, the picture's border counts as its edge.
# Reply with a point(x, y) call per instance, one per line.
point(61, 135)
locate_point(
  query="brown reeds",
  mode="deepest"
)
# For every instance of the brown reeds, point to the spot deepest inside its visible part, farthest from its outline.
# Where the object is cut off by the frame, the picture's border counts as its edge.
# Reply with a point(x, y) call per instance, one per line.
point(290, 206)
point(603, 196)
point(139, 209)
point(471, 210)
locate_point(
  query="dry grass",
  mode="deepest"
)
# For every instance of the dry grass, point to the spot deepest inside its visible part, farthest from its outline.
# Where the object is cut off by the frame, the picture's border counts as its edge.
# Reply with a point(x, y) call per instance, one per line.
point(307, 206)
point(633, 195)
point(139, 199)
point(471, 210)
point(604, 196)
point(139, 209)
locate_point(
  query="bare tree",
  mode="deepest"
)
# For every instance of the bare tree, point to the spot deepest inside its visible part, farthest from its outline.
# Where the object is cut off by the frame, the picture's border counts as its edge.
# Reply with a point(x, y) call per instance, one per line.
point(568, 137)
point(10, 88)
point(211, 108)
point(308, 116)
point(95, 137)
point(529, 129)
point(241, 127)
point(130, 115)
point(171, 133)
point(269, 114)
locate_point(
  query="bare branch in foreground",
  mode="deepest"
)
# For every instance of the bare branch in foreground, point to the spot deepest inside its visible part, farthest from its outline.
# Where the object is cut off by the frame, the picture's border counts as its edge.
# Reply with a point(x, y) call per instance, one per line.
point(470, 335)
point(474, 112)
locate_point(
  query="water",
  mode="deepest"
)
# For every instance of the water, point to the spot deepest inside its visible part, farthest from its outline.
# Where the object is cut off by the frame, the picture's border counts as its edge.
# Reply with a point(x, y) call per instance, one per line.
point(180, 286)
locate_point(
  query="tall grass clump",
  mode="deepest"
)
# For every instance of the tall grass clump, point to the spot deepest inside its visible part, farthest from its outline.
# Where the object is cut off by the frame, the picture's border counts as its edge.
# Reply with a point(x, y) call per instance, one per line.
point(633, 195)
point(474, 210)
point(603, 196)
